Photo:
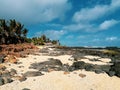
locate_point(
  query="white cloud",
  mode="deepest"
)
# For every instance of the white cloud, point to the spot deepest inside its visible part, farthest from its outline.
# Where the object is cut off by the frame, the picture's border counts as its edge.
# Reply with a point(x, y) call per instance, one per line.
point(108, 23)
point(91, 14)
point(52, 34)
point(111, 38)
point(34, 10)
point(89, 27)
point(79, 27)
point(85, 18)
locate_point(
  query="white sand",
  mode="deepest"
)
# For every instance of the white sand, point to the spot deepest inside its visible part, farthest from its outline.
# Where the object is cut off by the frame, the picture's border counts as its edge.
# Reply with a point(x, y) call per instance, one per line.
point(57, 80)
point(102, 61)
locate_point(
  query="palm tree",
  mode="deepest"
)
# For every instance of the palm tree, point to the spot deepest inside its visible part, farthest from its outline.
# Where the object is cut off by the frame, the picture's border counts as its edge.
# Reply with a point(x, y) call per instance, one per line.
point(12, 32)
point(4, 31)
point(44, 38)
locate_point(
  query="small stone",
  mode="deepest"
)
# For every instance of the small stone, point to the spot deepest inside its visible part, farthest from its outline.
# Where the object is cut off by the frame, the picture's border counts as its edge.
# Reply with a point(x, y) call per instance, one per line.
point(98, 71)
point(82, 75)
point(21, 66)
point(32, 73)
point(25, 89)
point(19, 62)
point(13, 72)
point(13, 61)
point(23, 78)
point(75, 72)
point(66, 73)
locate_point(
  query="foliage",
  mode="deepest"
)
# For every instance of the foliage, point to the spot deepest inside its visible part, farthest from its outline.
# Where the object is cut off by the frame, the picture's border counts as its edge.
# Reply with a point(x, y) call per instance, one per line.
point(42, 40)
point(12, 32)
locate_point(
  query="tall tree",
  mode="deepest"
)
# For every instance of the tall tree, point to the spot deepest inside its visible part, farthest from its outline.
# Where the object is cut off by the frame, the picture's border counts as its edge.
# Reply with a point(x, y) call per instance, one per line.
point(12, 32)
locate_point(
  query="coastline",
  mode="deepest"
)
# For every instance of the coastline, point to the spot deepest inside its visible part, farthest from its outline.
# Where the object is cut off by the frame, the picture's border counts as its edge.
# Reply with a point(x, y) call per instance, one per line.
point(60, 80)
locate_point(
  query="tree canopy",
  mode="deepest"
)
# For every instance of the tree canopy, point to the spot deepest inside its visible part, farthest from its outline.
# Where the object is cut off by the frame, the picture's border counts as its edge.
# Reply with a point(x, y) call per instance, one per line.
point(12, 32)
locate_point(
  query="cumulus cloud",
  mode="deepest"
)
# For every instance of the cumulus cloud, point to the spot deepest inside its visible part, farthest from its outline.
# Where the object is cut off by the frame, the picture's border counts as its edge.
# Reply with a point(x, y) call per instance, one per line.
point(84, 20)
point(34, 10)
point(108, 23)
point(52, 34)
point(91, 14)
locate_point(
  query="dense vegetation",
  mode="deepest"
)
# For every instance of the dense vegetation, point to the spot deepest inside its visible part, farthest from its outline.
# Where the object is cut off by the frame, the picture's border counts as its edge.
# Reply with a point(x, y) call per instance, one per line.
point(13, 32)
point(43, 39)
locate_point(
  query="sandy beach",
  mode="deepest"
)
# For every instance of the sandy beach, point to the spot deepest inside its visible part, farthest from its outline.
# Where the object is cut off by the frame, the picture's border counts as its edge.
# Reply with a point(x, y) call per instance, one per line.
point(61, 80)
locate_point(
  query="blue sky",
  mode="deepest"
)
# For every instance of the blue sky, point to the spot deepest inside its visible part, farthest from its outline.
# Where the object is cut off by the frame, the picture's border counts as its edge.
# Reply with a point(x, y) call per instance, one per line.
point(73, 22)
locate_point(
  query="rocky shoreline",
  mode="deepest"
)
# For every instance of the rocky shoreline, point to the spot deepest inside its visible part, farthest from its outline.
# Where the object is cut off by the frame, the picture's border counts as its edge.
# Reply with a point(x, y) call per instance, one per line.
point(113, 67)
point(96, 61)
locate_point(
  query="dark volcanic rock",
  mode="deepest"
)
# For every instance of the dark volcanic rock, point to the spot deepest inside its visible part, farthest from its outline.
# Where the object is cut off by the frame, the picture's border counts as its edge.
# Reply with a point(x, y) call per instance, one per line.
point(66, 68)
point(89, 67)
point(98, 71)
point(4, 80)
point(105, 68)
point(111, 73)
point(116, 67)
point(78, 65)
point(1, 81)
point(32, 74)
point(7, 80)
point(54, 64)
point(6, 74)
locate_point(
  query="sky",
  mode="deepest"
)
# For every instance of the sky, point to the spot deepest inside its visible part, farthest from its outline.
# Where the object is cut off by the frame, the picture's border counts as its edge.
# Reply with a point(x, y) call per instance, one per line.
point(72, 22)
